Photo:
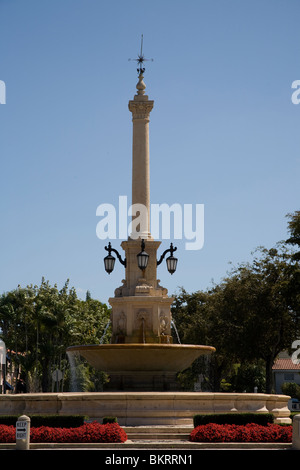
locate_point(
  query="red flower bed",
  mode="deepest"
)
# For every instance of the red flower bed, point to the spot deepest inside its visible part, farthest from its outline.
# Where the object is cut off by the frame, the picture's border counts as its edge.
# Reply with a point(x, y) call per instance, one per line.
point(236, 433)
point(90, 432)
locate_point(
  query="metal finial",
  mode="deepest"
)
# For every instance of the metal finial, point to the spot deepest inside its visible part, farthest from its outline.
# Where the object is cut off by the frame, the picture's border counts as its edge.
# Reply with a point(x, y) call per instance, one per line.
point(141, 59)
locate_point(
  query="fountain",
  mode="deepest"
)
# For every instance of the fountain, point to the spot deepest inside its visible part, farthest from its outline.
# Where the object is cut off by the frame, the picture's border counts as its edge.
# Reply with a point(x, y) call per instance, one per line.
point(141, 355)
point(141, 359)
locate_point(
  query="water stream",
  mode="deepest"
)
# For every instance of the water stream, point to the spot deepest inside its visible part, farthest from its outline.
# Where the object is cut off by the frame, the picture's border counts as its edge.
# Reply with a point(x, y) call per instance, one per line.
point(174, 326)
point(105, 330)
point(73, 357)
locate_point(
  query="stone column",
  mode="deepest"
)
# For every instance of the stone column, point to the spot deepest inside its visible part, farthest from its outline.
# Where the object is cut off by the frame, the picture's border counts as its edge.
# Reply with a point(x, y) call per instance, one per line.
point(296, 432)
point(140, 107)
point(141, 308)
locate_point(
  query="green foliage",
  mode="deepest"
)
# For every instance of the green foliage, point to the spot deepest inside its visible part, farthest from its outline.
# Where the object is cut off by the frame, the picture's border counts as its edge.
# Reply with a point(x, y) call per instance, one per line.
point(249, 317)
point(292, 389)
point(294, 229)
point(81, 377)
point(109, 419)
point(245, 377)
point(234, 418)
point(38, 323)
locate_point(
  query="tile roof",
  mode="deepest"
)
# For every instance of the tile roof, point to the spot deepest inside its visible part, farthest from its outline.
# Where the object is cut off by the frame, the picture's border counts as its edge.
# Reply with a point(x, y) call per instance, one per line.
point(285, 364)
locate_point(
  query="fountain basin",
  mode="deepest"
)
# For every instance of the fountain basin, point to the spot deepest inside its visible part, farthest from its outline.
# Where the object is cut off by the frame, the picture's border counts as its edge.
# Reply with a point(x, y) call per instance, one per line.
point(139, 366)
point(141, 357)
point(145, 408)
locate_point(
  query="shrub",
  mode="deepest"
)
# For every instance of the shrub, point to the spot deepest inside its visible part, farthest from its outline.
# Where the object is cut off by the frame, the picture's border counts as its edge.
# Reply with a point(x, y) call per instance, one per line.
point(234, 418)
point(109, 419)
point(238, 433)
point(7, 433)
point(57, 421)
point(292, 389)
point(90, 432)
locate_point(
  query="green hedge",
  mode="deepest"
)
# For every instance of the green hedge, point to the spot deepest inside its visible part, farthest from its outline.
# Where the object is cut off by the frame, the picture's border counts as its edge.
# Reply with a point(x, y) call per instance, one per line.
point(109, 419)
point(234, 418)
point(54, 421)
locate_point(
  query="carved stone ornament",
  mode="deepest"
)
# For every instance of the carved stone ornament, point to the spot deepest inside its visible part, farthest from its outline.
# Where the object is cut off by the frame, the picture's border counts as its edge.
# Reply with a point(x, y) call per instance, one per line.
point(121, 323)
point(140, 109)
point(163, 323)
point(143, 317)
point(119, 290)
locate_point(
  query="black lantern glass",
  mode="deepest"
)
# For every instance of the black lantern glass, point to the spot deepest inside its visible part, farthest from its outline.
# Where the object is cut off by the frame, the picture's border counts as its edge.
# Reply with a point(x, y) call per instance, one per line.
point(142, 258)
point(109, 263)
point(171, 264)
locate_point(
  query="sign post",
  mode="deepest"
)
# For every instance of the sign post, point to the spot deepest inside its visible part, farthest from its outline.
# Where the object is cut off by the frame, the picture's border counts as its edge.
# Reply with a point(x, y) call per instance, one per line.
point(2, 364)
point(57, 375)
point(23, 433)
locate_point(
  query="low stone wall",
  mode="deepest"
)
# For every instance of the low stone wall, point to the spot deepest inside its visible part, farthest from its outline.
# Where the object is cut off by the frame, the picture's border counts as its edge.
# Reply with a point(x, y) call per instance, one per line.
point(145, 408)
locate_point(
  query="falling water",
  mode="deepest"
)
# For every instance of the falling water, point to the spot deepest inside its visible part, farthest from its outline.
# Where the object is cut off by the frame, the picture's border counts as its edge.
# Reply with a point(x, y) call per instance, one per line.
point(174, 326)
point(105, 330)
point(73, 358)
point(143, 331)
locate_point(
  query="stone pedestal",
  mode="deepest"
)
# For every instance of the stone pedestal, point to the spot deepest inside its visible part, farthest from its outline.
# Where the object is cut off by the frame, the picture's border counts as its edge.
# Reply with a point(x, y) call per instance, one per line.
point(137, 282)
point(296, 432)
point(146, 408)
point(141, 308)
point(140, 319)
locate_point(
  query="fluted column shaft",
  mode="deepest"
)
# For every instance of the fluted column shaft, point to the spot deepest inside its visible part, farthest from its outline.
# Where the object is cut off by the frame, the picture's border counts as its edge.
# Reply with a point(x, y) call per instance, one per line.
point(140, 107)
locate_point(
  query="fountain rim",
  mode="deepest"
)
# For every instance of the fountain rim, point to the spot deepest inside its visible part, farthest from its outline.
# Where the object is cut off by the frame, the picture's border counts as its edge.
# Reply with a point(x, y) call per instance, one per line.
point(153, 346)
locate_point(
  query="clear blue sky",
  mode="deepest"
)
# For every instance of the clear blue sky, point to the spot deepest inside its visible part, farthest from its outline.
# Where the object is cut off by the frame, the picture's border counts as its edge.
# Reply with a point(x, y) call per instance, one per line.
point(223, 131)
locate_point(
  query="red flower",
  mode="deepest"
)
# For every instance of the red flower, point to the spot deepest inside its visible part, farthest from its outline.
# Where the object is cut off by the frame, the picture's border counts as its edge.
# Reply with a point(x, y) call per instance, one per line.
point(90, 432)
point(235, 433)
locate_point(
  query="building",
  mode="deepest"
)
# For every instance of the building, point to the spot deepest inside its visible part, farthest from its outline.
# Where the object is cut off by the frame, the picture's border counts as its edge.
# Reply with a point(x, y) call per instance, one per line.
point(284, 370)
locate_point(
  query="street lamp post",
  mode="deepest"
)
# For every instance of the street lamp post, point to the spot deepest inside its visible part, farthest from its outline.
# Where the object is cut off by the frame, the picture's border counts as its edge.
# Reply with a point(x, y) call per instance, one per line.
point(109, 260)
point(142, 258)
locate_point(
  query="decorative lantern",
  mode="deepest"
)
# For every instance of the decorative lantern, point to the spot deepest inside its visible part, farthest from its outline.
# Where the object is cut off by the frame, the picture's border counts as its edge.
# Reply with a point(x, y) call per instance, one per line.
point(142, 257)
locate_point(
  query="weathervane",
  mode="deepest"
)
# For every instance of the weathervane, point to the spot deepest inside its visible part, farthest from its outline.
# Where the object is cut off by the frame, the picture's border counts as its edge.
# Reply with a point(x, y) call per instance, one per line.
point(141, 59)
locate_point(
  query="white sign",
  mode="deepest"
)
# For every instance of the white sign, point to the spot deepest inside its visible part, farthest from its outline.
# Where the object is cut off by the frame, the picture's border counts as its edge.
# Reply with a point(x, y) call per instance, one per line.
point(57, 375)
point(21, 429)
point(2, 352)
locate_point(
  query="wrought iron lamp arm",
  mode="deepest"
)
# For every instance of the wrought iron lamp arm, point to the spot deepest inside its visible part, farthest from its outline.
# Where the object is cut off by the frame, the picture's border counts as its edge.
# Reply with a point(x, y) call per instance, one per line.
point(110, 249)
point(171, 250)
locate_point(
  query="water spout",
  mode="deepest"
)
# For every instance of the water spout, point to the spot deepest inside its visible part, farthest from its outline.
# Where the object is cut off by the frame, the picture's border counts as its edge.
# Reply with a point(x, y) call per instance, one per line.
point(174, 326)
point(143, 331)
point(105, 330)
point(73, 359)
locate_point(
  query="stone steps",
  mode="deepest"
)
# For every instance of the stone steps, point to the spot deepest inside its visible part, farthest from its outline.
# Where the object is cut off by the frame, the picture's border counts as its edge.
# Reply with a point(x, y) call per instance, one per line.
point(158, 433)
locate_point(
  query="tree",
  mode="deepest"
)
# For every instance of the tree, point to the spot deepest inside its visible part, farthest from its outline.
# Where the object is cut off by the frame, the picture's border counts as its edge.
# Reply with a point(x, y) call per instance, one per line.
point(294, 241)
point(198, 320)
point(292, 389)
point(258, 308)
point(248, 317)
point(38, 323)
point(294, 230)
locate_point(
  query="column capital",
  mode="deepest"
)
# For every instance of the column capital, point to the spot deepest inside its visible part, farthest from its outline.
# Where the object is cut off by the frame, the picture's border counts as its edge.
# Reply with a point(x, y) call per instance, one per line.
point(140, 109)
point(140, 106)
